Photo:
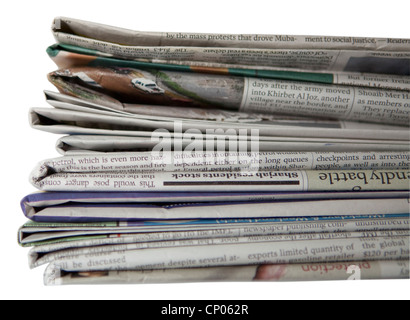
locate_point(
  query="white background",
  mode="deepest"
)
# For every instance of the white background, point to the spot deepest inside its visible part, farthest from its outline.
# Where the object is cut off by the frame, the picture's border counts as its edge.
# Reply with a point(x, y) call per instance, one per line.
point(25, 34)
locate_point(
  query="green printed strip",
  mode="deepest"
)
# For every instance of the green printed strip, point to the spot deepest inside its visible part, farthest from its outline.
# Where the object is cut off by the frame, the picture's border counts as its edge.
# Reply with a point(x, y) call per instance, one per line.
point(56, 48)
point(53, 51)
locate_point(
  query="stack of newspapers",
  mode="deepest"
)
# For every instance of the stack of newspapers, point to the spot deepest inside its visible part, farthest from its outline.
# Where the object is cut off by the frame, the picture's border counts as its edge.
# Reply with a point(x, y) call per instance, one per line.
point(187, 157)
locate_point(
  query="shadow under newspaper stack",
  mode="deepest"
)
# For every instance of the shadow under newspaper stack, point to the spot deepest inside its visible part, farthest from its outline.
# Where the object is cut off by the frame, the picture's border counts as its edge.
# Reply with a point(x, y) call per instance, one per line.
point(213, 157)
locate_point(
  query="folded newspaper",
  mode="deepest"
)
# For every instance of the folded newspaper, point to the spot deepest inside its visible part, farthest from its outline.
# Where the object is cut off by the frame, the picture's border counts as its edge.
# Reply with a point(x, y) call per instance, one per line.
point(68, 56)
point(244, 94)
point(134, 206)
point(217, 171)
point(221, 157)
point(78, 116)
point(92, 143)
point(263, 51)
point(268, 272)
